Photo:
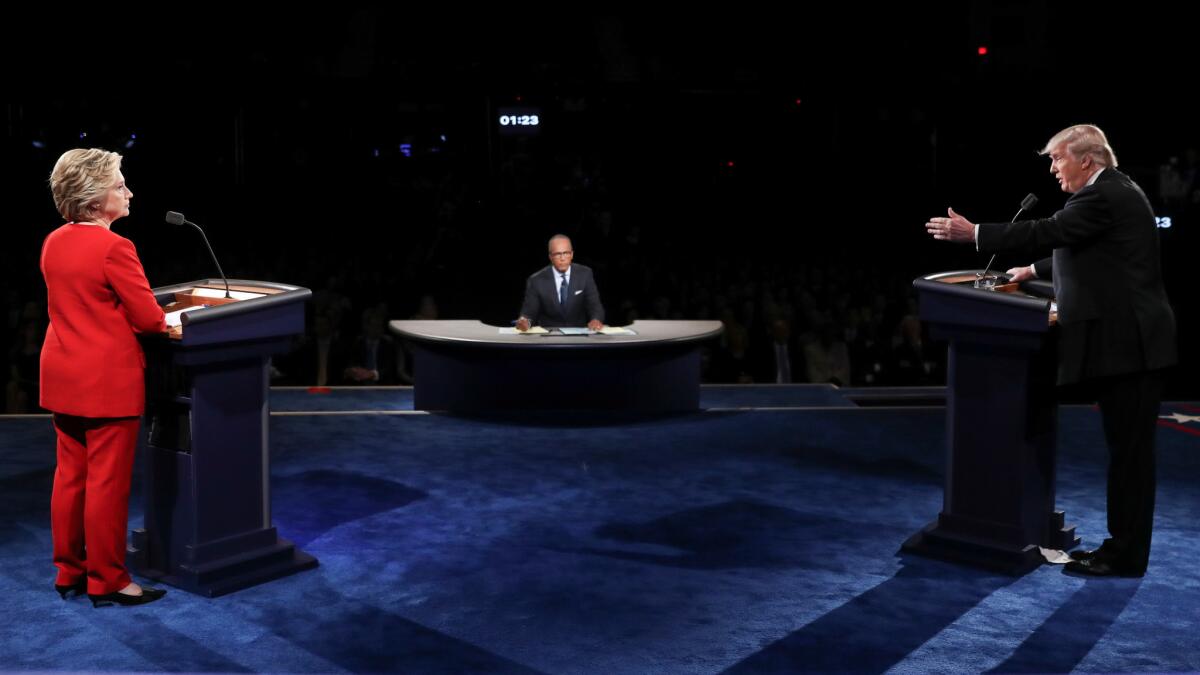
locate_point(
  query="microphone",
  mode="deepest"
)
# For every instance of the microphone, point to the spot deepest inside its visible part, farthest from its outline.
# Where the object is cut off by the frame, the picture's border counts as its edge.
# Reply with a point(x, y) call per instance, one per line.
point(176, 218)
point(1029, 202)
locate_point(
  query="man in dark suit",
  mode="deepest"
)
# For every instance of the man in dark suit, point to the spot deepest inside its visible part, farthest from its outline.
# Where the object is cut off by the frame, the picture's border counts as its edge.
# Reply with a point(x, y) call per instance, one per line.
point(1116, 328)
point(562, 294)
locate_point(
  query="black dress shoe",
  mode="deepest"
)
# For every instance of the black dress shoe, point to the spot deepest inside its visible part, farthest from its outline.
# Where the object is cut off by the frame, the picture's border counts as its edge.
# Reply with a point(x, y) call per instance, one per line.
point(148, 595)
point(1100, 567)
point(1082, 554)
point(80, 587)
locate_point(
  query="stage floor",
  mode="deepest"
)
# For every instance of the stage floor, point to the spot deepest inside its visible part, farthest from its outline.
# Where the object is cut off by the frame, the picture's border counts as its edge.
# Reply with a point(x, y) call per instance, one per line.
point(757, 535)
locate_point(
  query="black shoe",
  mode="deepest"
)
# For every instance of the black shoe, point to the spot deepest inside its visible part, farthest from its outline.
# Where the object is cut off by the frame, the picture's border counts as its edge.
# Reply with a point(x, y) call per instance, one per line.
point(1100, 567)
point(80, 587)
point(1082, 554)
point(148, 595)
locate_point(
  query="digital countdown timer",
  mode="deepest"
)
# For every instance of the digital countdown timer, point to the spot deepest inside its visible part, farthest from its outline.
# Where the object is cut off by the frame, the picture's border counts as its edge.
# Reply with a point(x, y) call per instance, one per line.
point(519, 121)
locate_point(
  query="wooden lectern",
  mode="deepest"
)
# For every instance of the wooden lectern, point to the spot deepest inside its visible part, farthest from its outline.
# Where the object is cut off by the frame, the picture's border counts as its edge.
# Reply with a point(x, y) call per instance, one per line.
point(205, 438)
point(1001, 424)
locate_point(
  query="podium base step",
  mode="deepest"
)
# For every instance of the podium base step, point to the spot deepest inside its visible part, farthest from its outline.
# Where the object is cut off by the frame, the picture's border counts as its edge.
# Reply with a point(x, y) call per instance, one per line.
point(935, 542)
point(242, 571)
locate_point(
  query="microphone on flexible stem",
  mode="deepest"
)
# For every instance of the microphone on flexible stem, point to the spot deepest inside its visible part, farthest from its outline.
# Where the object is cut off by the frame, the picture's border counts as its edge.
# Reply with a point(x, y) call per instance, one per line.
point(176, 218)
point(1029, 202)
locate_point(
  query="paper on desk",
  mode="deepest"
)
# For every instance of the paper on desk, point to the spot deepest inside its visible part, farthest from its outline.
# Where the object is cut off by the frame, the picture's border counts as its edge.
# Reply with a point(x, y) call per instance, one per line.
point(1054, 556)
point(533, 330)
point(616, 330)
point(573, 330)
point(175, 318)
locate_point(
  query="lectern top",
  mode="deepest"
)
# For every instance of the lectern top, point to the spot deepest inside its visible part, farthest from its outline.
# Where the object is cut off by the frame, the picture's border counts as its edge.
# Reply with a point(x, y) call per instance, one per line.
point(255, 309)
point(951, 297)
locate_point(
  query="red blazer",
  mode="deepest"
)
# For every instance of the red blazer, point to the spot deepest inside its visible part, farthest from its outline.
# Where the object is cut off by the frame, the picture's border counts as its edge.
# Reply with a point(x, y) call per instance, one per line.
point(99, 300)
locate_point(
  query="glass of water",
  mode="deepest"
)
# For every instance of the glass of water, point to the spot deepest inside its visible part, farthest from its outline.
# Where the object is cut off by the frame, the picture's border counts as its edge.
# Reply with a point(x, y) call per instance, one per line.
point(986, 281)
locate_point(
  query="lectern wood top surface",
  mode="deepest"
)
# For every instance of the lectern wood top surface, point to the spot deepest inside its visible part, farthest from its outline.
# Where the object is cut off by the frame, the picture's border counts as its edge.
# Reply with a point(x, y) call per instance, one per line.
point(956, 279)
point(264, 290)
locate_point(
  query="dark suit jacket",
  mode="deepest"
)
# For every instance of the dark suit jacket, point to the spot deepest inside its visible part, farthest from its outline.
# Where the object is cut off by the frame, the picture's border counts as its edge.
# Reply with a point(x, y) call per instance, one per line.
point(541, 304)
point(1113, 313)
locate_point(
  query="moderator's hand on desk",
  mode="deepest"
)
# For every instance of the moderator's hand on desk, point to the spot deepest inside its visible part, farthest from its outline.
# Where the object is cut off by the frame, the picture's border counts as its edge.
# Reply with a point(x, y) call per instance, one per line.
point(522, 324)
point(175, 332)
point(1018, 274)
point(595, 325)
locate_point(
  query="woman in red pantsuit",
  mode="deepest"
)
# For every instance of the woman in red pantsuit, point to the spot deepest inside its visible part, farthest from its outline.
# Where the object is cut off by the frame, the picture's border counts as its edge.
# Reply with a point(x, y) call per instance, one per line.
point(92, 375)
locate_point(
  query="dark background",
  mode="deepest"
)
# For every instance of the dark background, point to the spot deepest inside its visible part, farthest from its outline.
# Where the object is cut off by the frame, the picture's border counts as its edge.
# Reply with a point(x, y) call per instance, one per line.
point(707, 164)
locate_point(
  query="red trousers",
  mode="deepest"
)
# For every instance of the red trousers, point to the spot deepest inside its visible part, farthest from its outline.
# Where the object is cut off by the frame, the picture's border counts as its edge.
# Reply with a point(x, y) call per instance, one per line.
point(89, 509)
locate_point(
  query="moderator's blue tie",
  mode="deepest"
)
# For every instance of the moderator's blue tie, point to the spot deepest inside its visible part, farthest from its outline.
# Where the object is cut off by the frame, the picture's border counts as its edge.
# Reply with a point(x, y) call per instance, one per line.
point(562, 291)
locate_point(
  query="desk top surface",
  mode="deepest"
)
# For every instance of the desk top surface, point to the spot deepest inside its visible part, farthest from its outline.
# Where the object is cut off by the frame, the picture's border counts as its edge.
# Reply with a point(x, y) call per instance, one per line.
point(476, 333)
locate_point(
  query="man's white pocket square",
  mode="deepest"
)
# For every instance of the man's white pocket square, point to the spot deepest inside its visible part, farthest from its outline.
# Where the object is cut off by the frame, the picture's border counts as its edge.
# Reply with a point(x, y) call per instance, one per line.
point(579, 291)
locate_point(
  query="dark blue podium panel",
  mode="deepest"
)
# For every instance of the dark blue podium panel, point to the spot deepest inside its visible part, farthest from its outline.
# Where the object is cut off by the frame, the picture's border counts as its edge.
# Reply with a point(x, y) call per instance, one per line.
point(205, 443)
point(1001, 424)
point(466, 366)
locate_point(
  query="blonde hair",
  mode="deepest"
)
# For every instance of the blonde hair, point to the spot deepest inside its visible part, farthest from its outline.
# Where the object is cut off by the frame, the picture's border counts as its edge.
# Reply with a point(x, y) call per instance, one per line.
point(79, 178)
point(1084, 140)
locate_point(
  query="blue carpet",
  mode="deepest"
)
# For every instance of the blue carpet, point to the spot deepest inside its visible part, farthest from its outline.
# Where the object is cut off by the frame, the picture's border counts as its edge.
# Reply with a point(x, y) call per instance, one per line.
point(773, 396)
point(745, 541)
point(302, 399)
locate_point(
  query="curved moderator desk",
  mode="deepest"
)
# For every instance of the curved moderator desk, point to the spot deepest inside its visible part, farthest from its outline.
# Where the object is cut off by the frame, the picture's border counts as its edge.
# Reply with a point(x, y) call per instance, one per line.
point(468, 366)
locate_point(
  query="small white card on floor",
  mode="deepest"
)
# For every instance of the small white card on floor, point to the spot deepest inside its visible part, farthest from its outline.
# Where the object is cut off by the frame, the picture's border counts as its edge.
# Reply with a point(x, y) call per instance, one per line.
point(1054, 556)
